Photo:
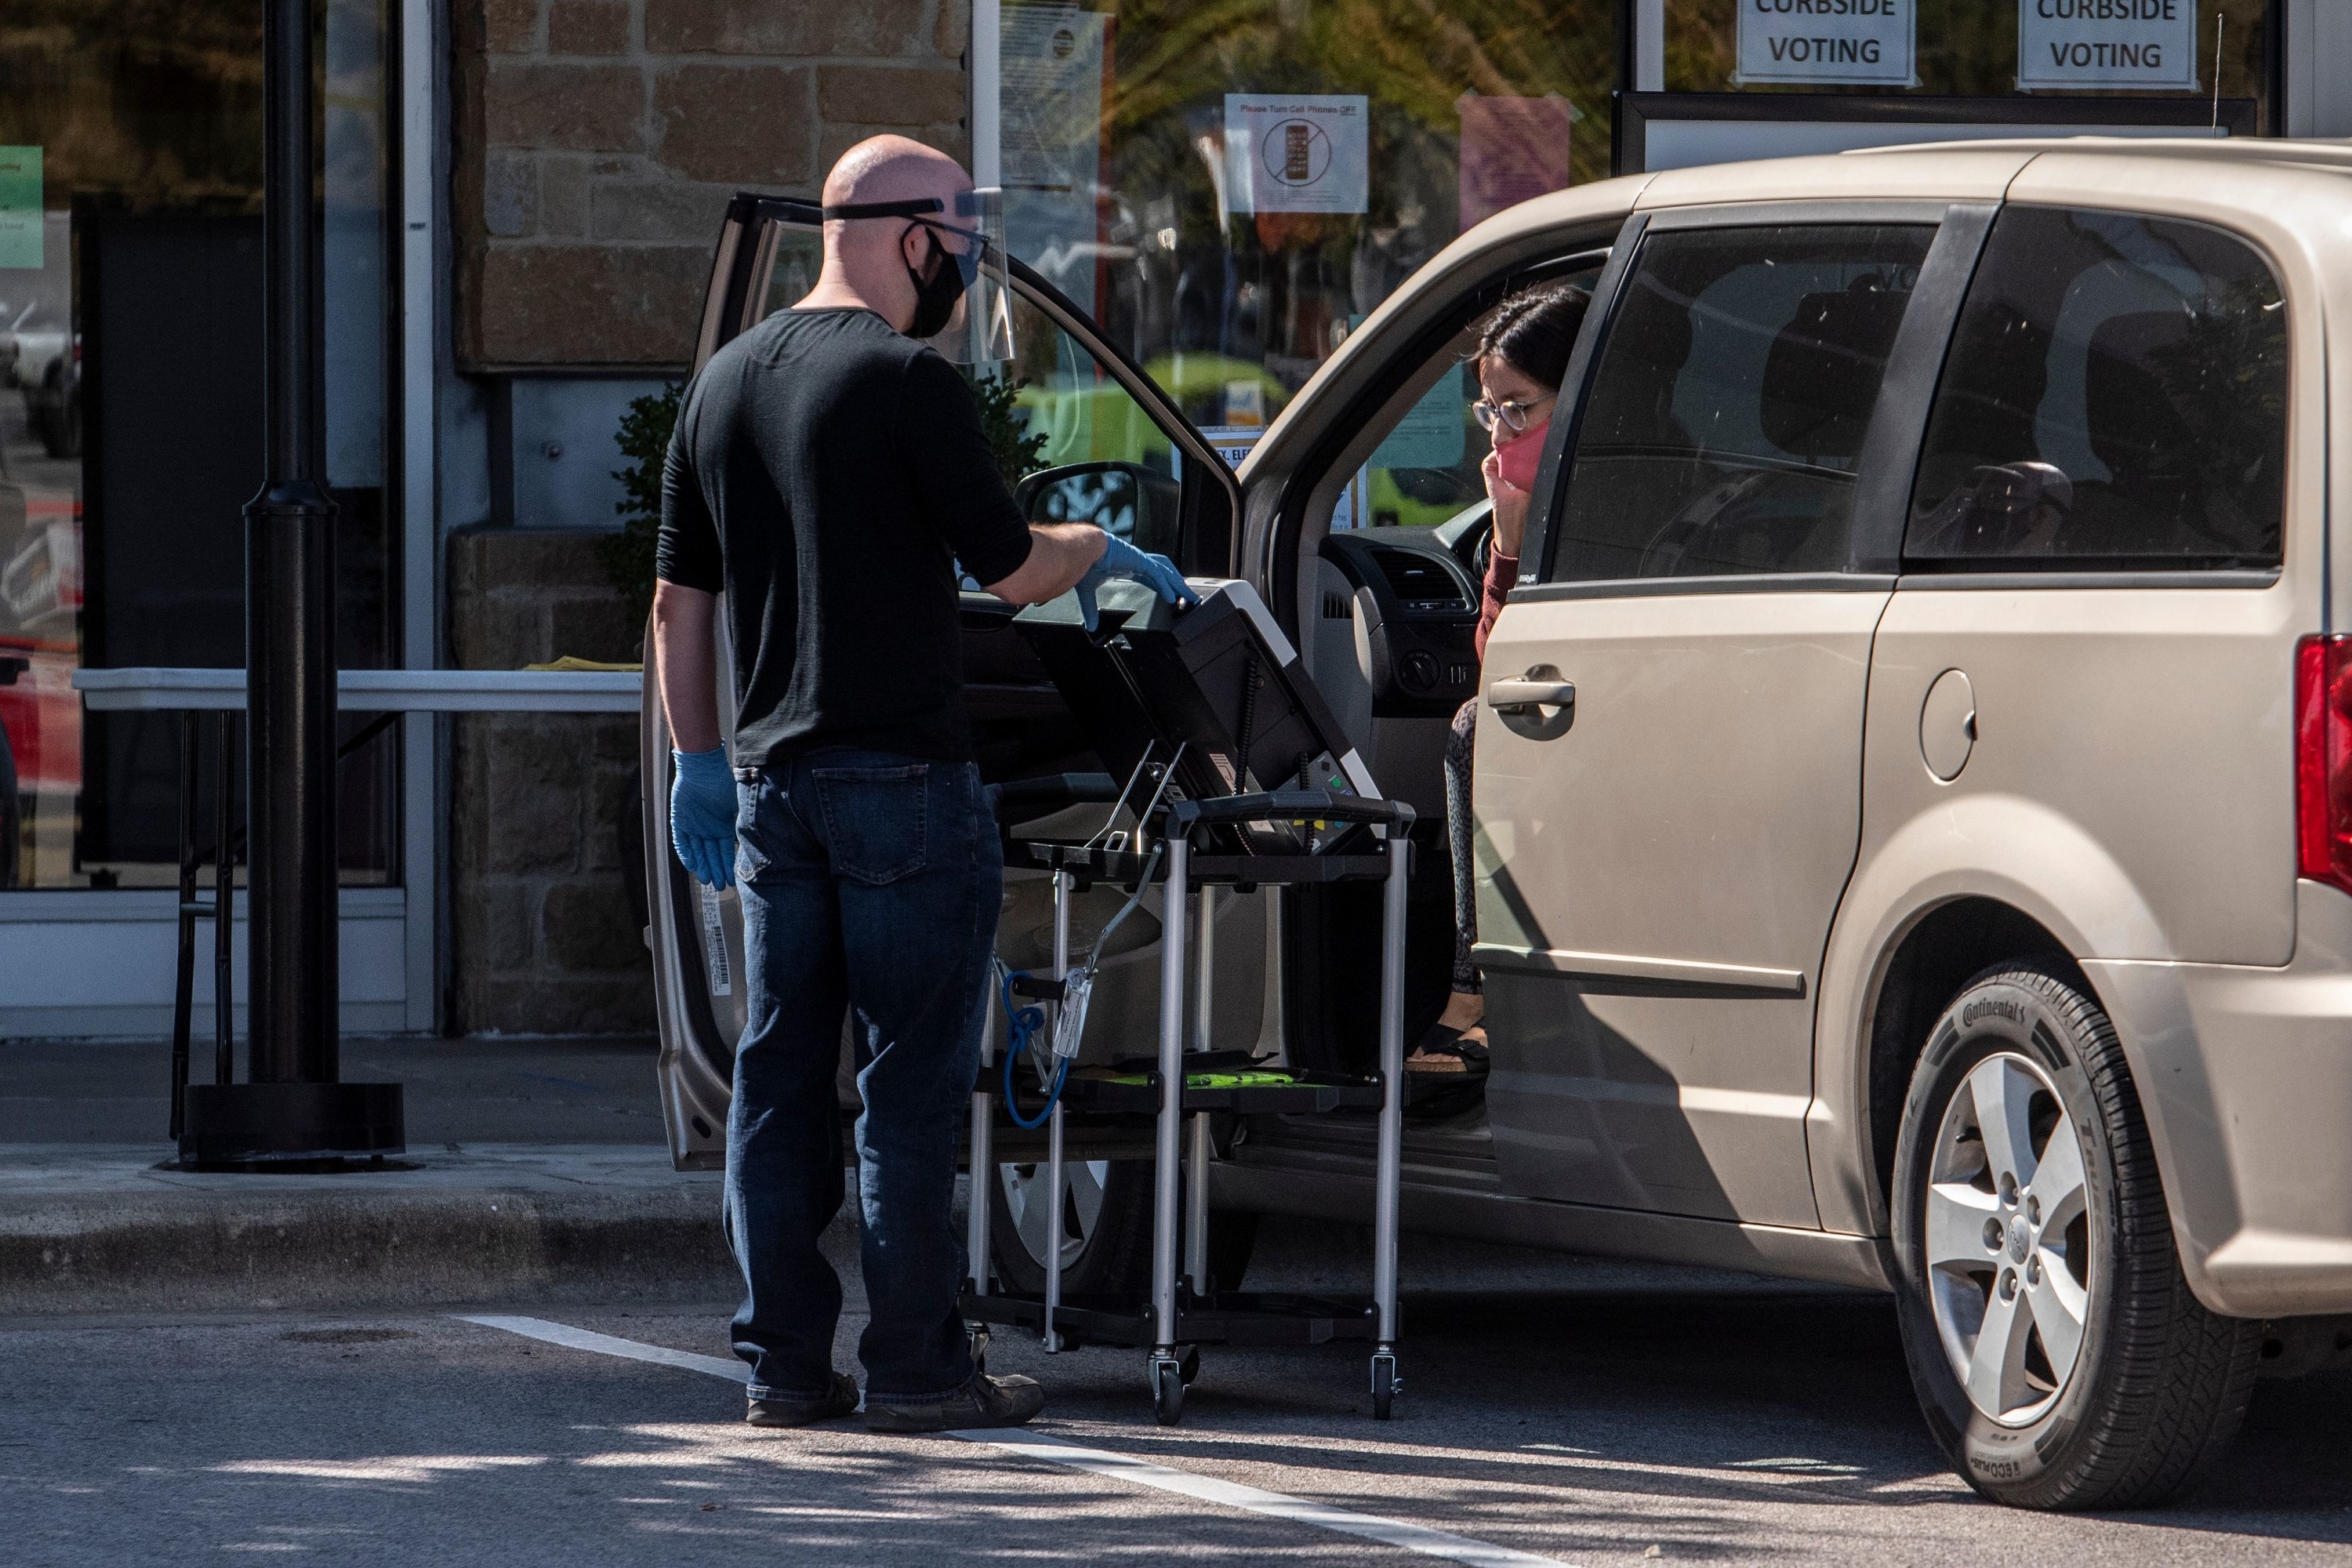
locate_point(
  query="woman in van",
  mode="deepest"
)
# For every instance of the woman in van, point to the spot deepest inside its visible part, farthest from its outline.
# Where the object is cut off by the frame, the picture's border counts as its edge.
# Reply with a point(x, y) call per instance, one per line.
point(1522, 356)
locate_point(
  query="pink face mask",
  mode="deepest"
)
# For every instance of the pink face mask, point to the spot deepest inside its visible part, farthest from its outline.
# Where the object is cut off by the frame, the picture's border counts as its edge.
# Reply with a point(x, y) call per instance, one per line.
point(1517, 459)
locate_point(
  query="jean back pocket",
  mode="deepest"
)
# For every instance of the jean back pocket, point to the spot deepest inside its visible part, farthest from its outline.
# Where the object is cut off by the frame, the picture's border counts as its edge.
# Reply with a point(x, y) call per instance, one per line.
point(874, 819)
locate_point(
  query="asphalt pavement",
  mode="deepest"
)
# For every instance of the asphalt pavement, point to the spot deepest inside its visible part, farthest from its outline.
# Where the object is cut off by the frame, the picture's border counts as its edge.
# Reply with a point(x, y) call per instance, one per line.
point(1581, 1426)
point(1559, 1410)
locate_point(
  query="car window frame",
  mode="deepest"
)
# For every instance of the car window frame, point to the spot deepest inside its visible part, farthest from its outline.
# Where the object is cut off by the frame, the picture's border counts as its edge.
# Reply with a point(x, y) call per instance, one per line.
point(1525, 259)
point(1889, 457)
point(1411, 359)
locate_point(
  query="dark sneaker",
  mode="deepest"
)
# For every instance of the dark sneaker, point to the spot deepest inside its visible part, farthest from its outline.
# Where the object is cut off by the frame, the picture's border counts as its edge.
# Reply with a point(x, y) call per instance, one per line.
point(782, 1412)
point(984, 1401)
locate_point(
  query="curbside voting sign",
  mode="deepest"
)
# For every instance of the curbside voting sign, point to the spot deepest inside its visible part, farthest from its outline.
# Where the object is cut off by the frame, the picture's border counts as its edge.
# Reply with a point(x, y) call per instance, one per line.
point(2107, 43)
point(1861, 43)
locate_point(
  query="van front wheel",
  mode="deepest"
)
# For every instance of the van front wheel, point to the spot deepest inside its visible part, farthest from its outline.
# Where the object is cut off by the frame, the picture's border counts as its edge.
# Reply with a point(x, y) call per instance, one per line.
point(2057, 1352)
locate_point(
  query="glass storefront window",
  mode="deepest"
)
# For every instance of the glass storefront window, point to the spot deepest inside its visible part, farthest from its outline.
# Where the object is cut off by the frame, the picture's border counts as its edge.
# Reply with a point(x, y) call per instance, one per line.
point(131, 416)
point(1230, 189)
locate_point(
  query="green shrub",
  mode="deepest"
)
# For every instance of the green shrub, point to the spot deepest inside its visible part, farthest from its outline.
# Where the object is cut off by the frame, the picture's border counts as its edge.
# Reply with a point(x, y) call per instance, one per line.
point(1004, 420)
point(627, 556)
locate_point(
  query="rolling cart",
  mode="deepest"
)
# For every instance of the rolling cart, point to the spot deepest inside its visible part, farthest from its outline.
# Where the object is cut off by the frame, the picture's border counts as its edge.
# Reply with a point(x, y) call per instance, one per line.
point(1242, 778)
point(1186, 1308)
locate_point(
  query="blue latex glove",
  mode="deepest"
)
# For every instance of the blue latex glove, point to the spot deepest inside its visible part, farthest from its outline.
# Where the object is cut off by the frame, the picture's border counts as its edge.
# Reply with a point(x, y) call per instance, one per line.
point(702, 815)
point(1120, 559)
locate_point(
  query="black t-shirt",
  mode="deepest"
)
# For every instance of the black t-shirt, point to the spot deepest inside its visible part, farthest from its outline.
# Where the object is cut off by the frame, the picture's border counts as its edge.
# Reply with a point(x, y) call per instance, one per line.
point(827, 475)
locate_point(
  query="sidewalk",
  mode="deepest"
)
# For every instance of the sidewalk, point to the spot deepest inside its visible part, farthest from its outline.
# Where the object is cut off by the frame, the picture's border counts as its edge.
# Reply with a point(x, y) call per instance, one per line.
point(542, 1174)
point(542, 1171)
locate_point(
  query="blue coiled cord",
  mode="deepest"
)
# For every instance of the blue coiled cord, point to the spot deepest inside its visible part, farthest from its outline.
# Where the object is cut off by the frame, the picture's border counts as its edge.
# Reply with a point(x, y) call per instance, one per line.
point(1023, 1025)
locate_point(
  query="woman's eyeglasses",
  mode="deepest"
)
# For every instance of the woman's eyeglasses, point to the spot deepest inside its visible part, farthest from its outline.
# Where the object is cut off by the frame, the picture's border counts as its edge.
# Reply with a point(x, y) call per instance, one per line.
point(1511, 415)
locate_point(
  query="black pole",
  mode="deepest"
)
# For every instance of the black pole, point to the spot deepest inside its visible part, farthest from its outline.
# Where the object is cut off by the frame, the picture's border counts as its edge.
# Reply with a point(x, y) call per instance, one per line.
point(293, 1107)
point(290, 610)
point(184, 990)
point(1623, 11)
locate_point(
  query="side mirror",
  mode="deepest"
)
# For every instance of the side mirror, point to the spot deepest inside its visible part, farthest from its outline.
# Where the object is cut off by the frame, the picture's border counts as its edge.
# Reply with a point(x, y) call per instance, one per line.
point(1128, 500)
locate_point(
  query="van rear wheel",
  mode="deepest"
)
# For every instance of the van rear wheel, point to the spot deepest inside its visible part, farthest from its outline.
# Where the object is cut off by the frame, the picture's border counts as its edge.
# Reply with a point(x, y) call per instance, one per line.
point(1106, 1235)
point(2055, 1348)
point(1106, 1229)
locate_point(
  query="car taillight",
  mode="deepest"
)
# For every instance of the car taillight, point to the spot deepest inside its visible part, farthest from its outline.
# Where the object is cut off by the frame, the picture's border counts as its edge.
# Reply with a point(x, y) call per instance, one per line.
point(2322, 759)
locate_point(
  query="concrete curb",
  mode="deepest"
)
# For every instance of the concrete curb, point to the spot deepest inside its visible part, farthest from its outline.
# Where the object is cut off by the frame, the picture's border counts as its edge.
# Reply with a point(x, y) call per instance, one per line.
point(98, 1229)
point(89, 1229)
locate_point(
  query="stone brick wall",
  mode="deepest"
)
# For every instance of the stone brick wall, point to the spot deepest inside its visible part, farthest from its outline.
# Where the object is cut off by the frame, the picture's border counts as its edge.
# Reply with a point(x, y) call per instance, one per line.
point(543, 939)
point(597, 142)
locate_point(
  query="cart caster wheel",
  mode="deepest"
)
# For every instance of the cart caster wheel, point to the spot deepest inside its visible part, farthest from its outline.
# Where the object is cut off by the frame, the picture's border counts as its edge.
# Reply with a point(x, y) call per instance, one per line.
point(1189, 1368)
point(1167, 1391)
point(1385, 1384)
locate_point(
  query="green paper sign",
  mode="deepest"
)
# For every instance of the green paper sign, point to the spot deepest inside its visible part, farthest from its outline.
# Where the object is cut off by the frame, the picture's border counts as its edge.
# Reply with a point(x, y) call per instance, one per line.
point(20, 207)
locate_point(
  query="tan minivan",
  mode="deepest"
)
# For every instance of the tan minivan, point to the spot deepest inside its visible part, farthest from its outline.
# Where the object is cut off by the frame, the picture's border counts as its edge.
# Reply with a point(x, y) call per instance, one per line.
point(1937, 873)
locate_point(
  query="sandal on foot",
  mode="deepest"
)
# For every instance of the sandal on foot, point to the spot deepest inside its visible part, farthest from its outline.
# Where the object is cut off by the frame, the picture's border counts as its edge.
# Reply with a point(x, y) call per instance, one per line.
point(1448, 1049)
point(1439, 1050)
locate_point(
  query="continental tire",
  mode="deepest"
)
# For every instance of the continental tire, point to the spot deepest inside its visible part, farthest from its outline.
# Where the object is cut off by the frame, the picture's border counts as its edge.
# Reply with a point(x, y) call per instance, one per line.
point(2057, 1352)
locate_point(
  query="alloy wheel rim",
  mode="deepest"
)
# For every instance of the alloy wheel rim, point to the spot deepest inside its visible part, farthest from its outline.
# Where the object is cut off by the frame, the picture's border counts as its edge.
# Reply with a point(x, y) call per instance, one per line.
point(2008, 1243)
point(1082, 1199)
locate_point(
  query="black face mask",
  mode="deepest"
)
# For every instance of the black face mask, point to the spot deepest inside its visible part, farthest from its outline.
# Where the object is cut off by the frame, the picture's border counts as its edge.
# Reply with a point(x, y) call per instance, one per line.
point(934, 298)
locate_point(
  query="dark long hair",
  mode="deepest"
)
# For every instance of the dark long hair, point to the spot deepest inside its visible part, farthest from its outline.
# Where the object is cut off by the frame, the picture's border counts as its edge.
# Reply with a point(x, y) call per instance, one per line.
point(1534, 330)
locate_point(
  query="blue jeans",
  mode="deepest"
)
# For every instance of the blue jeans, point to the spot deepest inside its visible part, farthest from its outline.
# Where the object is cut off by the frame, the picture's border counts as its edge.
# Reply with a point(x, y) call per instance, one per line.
point(871, 883)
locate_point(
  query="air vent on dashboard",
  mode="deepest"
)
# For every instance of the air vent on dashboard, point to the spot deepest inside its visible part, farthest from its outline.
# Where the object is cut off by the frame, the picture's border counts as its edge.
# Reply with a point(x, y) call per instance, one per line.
point(1422, 584)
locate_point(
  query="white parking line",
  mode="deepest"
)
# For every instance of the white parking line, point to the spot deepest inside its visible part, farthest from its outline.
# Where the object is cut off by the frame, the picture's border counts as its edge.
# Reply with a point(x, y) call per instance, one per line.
point(1415, 1538)
point(728, 1367)
point(1278, 1505)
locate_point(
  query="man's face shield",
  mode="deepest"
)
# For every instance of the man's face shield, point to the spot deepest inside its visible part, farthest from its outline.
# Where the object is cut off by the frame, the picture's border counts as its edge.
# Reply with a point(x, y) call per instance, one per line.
point(968, 228)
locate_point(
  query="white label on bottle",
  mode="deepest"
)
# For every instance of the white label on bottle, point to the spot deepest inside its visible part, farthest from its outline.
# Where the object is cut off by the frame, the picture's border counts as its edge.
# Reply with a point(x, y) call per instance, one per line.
point(714, 944)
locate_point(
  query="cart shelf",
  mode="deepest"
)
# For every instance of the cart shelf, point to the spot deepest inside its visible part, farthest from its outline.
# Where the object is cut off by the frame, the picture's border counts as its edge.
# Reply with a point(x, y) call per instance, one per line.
point(1102, 1092)
point(1226, 1318)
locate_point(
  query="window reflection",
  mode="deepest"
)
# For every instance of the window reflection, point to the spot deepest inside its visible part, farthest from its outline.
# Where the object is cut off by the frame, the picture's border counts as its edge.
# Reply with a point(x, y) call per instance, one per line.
point(131, 412)
point(1230, 189)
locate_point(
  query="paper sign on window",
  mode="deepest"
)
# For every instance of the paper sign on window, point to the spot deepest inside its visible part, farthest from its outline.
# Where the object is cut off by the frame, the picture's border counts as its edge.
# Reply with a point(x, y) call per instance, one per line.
point(1052, 61)
point(1859, 43)
point(1296, 152)
point(20, 207)
point(1433, 433)
point(2107, 43)
point(1512, 149)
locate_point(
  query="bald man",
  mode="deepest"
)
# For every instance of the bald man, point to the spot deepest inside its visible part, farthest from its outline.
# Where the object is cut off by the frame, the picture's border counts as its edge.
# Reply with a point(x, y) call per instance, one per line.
point(828, 475)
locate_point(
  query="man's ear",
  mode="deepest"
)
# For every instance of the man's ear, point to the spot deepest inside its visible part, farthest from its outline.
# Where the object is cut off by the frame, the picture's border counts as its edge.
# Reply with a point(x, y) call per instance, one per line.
point(915, 248)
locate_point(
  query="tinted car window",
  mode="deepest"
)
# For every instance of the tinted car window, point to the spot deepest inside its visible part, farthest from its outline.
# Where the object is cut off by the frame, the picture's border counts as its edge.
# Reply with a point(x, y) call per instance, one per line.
point(2115, 396)
point(1725, 419)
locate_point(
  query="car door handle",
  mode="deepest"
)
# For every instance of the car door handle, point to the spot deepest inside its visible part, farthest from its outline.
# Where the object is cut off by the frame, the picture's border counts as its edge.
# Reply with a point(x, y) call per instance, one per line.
point(1526, 696)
